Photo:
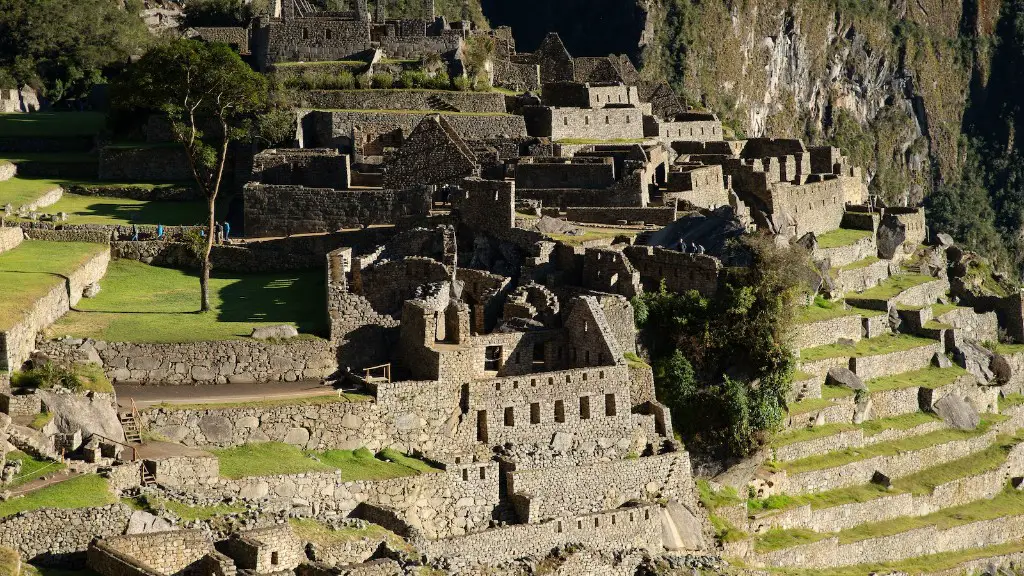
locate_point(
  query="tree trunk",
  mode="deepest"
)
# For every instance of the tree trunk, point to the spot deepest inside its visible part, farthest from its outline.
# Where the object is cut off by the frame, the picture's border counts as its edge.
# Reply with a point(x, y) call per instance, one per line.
point(204, 278)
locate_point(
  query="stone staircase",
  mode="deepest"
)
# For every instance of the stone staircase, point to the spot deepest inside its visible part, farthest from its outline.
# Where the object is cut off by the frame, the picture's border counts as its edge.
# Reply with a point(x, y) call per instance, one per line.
point(875, 480)
point(437, 103)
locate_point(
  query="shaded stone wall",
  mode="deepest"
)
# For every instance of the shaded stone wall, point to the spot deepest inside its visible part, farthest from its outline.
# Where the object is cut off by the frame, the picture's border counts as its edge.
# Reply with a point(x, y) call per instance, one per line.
point(313, 168)
point(679, 271)
point(404, 99)
point(221, 362)
point(701, 186)
point(177, 552)
point(287, 210)
point(181, 192)
point(151, 164)
point(816, 207)
point(582, 173)
point(811, 334)
point(335, 129)
point(516, 76)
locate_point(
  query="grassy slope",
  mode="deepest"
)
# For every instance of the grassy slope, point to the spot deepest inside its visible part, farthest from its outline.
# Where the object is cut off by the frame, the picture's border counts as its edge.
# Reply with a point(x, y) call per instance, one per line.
point(31, 468)
point(842, 237)
point(885, 344)
point(141, 303)
point(891, 287)
point(103, 210)
point(80, 492)
point(930, 377)
point(273, 458)
point(55, 124)
point(20, 191)
point(32, 269)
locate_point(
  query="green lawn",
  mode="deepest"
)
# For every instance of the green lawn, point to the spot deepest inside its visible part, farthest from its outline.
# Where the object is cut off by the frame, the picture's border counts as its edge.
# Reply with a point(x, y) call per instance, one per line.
point(812, 433)
point(32, 269)
point(141, 303)
point(309, 530)
point(821, 309)
point(930, 377)
point(892, 287)
point(56, 124)
point(276, 458)
point(871, 428)
point(901, 422)
point(843, 457)
point(32, 468)
point(842, 237)
point(862, 263)
point(187, 513)
point(884, 344)
point(20, 191)
point(80, 492)
point(104, 210)
point(828, 395)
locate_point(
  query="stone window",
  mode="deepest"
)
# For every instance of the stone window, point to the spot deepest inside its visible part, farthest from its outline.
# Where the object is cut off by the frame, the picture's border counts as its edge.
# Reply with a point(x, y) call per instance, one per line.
point(481, 425)
point(601, 374)
point(274, 559)
point(691, 131)
point(584, 407)
point(559, 411)
point(620, 98)
point(607, 119)
point(465, 474)
point(584, 376)
point(517, 357)
point(613, 519)
point(586, 356)
point(305, 33)
point(483, 473)
point(565, 120)
point(559, 528)
point(538, 357)
point(609, 404)
point(586, 120)
point(568, 378)
point(510, 416)
point(597, 522)
point(627, 119)
point(630, 516)
point(579, 524)
point(327, 34)
point(492, 358)
point(535, 413)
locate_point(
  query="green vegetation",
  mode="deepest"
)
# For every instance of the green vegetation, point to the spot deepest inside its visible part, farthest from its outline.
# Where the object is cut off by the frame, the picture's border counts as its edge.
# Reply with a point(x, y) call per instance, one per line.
point(842, 457)
point(711, 499)
point(862, 263)
point(590, 234)
point(309, 530)
point(901, 422)
point(829, 394)
point(1011, 400)
point(21, 191)
point(187, 513)
point(930, 564)
point(930, 377)
point(811, 433)
point(275, 458)
point(694, 339)
point(10, 562)
point(891, 288)
point(53, 124)
point(84, 491)
point(141, 303)
point(320, 63)
point(103, 210)
point(31, 270)
point(80, 378)
point(870, 428)
point(32, 468)
point(39, 421)
point(821, 309)
point(842, 237)
point(884, 344)
point(635, 361)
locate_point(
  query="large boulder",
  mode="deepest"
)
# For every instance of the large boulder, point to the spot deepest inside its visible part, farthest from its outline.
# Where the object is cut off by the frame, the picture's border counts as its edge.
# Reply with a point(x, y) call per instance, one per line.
point(142, 522)
point(282, 332)
point(891, 235)
point(845, 378)
point(976, 359)
point(944, 240)
point(680, 529)
point(957, 413)
point(88, 413)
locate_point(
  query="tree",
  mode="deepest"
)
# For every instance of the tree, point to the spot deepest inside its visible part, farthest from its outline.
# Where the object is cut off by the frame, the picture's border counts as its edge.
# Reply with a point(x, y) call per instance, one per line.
point(62, 47)
point(209, 94)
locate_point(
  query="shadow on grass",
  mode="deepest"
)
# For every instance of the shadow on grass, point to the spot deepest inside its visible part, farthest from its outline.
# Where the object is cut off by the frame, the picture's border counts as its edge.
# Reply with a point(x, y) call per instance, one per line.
point(299, 297)
point(169, 213)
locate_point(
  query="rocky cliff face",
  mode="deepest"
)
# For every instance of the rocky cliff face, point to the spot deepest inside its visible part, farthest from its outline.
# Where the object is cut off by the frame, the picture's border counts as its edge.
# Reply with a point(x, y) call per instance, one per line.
point(886, 80)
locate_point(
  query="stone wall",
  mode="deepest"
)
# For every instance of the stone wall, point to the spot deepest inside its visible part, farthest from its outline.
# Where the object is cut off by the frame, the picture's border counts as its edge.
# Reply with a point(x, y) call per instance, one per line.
point(830, 553)
point(516, 76)
point(55, 536)
point(10, 238)
point(177, 552)
point(862, 278)
point(811, 334)
point(972, 325)
point(287, 210)
point(220, 362)
point(625, 123)
point(47, 198)
point(7, 170)
point(622, 529)
point(586, 489)
point(680, 271)
point(896, 466)
point(335, 129)
point(309, 167)
point(845, 255)
point(403, 99)
point(698, 185)
point(816, 207)
point(662, 216)
point(879, 365)
point(849, 439)
point(149, 164)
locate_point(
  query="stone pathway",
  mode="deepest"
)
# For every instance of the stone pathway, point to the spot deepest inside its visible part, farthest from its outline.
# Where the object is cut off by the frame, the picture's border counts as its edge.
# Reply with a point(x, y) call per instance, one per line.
point(215, 394)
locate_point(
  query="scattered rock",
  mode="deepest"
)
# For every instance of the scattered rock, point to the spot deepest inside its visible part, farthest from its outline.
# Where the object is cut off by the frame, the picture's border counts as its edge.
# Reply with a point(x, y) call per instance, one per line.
point(891, 235)
point(881, 480)
point(944, 239)
point(976, 359)
point(957, 413)
point(940, 360)
point(561, 442)
point(282, 332)
point(142, 522)
point(92, 290)
point(844, 377)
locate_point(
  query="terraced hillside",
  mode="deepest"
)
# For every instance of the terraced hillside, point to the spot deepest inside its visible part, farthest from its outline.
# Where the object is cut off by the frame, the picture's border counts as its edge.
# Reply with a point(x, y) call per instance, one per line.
point(903, 449)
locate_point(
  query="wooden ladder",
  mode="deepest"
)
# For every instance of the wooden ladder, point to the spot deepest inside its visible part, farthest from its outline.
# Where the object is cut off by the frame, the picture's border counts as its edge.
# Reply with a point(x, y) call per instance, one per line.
point(131, 428)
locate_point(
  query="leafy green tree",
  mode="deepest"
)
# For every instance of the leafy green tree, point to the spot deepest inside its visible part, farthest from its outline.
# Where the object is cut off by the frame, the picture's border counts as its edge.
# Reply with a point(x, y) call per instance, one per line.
point(63, 47)
point(222, 12)
point(197, 85)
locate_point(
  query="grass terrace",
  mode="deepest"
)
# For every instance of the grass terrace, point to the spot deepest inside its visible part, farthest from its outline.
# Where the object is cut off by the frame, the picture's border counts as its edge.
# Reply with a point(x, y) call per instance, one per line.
point(842, 237)
point(892, 287)
point(114, 211)
point(930, 377)
point(859, 264)
point(142, 303)
point(31, 270)
point(54, 124)
point(32, 468)
point(843, 457)
point(590, 234)
point(829, 394)
point(820, 310)
point(884, 344)
point(870, 428)
point(21, 191)
point(87, 491)
point(276, 458)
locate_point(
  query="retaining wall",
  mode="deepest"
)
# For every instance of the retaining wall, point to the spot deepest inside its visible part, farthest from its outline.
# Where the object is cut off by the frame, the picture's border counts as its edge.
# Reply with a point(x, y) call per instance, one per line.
point(868, 367)
point(402, 99)
point(10, 238)
point(661, 216)
point(811, 334)
point(53, 536)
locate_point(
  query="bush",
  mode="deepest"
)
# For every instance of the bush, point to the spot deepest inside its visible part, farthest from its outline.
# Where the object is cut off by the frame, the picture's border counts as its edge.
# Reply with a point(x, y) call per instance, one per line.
point(413, 79)
point(440, 81)
point(463, 84)
point(80, 378)
point(364, 81)
point(383, 81)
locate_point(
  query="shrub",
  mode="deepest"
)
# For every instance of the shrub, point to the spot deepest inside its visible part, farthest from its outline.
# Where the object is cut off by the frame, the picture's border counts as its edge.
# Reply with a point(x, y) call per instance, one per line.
point(364, 81)
point(440, 81)
point(412, 79)
point(463, 84)
point(80, 378)
point(383, 81)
